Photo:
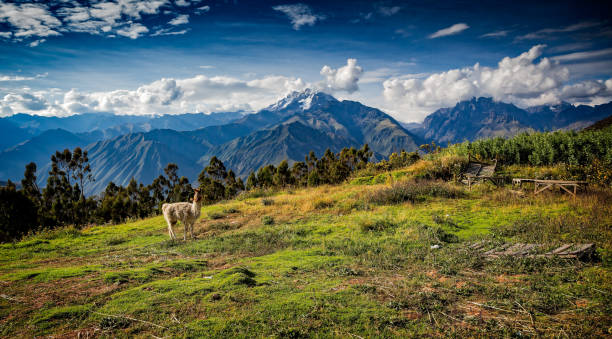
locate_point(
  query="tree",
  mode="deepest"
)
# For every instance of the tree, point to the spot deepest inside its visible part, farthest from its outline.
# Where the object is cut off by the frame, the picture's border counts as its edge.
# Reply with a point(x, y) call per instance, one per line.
point(265, 176)
point(282, 177)
point(28, 184)
point(171, 171)
point(299, 172)
point(80, 169)
point(17, 214)
point(216, 169)
point(211, 190)
point(251, 181)
point(232, 186)
point(58, 195)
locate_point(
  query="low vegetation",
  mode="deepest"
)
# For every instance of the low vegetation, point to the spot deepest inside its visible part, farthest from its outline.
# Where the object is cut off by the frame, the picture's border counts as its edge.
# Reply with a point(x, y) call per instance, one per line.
point(364, 260)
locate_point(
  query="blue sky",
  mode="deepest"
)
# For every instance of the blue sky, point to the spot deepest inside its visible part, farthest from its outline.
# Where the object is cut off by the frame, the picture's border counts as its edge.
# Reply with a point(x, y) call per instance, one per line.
point(405, 57)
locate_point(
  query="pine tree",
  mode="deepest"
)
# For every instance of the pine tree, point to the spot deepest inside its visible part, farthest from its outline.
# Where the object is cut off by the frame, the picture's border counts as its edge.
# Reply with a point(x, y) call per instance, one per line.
point(251, 181)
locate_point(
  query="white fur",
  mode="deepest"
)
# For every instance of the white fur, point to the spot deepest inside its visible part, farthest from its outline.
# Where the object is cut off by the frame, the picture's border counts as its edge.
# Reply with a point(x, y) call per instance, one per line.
point(185, 212)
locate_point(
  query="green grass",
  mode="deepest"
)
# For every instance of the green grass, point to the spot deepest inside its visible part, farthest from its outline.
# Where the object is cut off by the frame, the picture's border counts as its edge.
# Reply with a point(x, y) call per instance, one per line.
point(332, 261)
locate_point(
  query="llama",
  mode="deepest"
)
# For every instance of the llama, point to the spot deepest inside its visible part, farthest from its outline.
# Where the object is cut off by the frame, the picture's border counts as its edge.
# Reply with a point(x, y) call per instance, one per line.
point(186, 213)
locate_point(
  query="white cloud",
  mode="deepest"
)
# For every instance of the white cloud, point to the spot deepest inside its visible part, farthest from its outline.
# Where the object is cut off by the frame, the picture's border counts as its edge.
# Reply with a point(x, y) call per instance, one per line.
point(207, 66)
point(546, 32)
point(169, 31)
point(23, 102)
point(389, 11)
point(39, 21)
point(133, 31)
point(587, 90)
point(29, 20)
point(203, 9)
point(344, 78)
point(606, 53)
point(496, 34)
point(299, 14)
point(179, 20)
point(452, 30)
point(524, 80)
point(403, 33)
point(164, 96)
point(37, 42)
point(21, 78)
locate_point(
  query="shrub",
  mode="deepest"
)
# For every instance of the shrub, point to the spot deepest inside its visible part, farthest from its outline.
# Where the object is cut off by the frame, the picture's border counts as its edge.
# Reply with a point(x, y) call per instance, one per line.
point(322, 204)
point(376, 225)
point(267, 220)
point(437, 235)
point(267, 202)
point(115, 241)
point(215, 215)
point(413, 192)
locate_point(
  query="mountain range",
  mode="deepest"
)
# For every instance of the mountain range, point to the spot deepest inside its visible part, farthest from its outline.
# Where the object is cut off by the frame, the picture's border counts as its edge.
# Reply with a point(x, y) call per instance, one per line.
point(122, 147)
point(484, 118)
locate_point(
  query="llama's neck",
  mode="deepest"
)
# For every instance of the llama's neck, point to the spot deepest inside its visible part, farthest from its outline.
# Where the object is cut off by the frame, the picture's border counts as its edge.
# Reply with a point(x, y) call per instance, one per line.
point(196, 207)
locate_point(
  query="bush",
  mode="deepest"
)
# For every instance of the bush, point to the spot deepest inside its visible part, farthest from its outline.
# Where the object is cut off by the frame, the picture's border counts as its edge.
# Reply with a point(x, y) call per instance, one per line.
point(437, 235)
point(17, 214)
point(376, 225)
point(413, 192)
point(267, 220)
point(267, 202)
point(215, 215)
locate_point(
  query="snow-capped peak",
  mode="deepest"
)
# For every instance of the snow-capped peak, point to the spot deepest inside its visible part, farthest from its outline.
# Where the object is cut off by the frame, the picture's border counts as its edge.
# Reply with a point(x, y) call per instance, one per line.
point(301, 100)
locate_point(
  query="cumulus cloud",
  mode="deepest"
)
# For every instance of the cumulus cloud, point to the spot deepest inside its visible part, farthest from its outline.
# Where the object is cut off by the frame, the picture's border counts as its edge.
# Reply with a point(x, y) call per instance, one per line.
point(42, 19)
point(29, 20)
point(299, 14)
point(24, 102)
point(133, 30)
point(200, 93)
point(164, 96)
point(525, 80)
point(452, 30)
point(344, 78)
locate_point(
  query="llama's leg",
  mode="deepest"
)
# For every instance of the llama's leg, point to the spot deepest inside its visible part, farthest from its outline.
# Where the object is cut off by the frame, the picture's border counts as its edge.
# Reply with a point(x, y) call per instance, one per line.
point(170, 231)
point(191, 228)
point(186, 228)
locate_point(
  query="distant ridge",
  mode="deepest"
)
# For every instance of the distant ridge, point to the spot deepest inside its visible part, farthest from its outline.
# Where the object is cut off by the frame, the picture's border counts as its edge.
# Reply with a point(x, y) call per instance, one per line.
point(601, 124)
point(484, 118)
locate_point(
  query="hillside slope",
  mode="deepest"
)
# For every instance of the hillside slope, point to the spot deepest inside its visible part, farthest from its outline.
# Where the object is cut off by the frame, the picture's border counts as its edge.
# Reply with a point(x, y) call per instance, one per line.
point(318, 262)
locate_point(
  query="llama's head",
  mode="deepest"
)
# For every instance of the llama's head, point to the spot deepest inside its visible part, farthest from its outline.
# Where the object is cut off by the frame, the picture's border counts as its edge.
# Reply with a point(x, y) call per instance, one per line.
point(197, 197)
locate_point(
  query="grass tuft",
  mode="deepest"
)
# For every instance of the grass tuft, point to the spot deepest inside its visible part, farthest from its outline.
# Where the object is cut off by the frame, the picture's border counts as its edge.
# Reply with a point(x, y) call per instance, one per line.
point(414, 192)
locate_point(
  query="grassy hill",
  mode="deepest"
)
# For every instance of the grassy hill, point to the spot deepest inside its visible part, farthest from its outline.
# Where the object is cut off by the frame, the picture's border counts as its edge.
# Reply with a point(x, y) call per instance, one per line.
point(356, 260)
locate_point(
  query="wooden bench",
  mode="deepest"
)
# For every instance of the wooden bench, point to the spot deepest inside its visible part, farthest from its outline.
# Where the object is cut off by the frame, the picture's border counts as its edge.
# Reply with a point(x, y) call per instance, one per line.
point(478, 171)
point(542, 185)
